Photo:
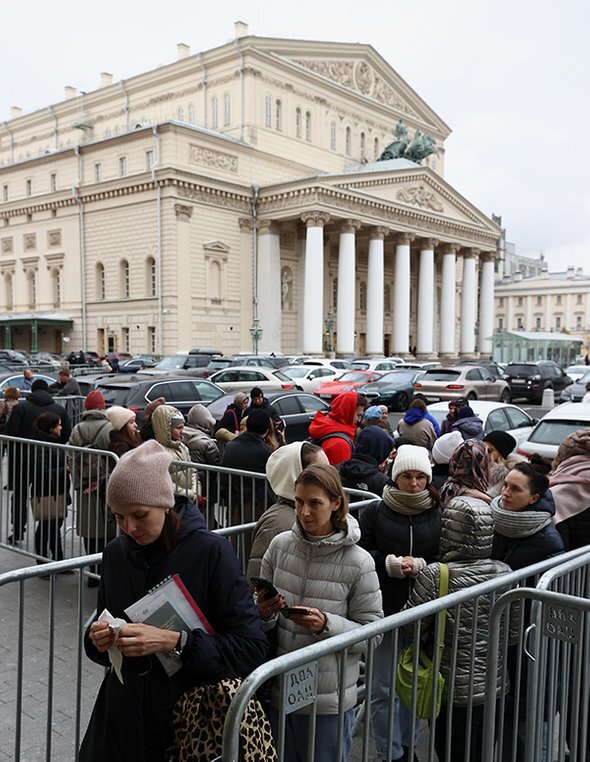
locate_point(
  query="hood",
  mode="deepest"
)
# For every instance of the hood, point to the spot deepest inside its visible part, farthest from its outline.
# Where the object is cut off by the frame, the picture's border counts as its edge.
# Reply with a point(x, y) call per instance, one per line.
point(161, 420)
point(467, 530)
point(282, 468)
point(545, 503)
point(41, 397)
point(471, 425)
point(94, 415)
point(344, 408)
point(359, 467)
point(413, 415)
point(374, 442)
point(350, 536)
point(200, 418)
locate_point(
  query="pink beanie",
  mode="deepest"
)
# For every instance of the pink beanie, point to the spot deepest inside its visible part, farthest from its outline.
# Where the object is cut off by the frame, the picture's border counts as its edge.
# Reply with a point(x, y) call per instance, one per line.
point(141, 477)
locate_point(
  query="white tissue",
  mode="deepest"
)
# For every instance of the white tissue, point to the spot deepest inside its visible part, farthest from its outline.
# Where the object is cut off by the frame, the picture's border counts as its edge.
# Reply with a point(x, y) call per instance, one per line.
point(115, 656)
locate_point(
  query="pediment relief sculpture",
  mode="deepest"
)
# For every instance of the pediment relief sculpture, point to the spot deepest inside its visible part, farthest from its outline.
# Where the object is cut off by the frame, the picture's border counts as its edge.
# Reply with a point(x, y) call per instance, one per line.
point(420, 195)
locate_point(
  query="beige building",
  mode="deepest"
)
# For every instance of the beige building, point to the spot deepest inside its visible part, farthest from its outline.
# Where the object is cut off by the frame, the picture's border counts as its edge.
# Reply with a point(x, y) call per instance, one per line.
point(235, 192)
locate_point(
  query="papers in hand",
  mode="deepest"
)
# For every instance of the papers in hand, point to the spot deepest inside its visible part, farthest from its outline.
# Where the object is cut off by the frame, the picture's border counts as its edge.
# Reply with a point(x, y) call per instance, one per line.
point(115, 656)
point(169, 606)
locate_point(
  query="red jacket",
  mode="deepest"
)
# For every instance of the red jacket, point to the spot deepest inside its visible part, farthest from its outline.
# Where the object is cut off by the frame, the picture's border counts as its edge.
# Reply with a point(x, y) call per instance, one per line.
point(341, 419)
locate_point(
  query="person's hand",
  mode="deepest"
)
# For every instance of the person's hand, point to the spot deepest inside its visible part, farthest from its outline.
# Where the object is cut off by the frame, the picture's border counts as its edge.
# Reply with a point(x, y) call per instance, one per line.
point(144, 639)
point(268, 607)
point(313, 620)
point(407, 565)
point(101, 636)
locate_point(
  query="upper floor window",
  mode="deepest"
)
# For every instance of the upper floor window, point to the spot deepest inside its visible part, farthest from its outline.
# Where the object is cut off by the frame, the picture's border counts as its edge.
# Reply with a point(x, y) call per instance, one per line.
point(149, 160)
point(268, 111)
point(29, 187)
point(214, 113)
point(5, 193)
point(180, 114)
point(538, 323)
point(124, 279)
point(53, 182)
point(333, 135)
point(363, 146)
point(100, 282)
point(363, 296)
point(308, 125)
point(558, 322)
point(376, 149)
point(519, 301)
point(539, 301)
point(97, 172)
point(500, 301)
point(500, 324)
point(8, 291)
point(125, 338)
point(191, 113)
point(226, 109)
point(122, 166)
point(298, 123)
point(278, 114)
point(348, 141)
point(335, 293)
point(150, 273)
point(579, 299)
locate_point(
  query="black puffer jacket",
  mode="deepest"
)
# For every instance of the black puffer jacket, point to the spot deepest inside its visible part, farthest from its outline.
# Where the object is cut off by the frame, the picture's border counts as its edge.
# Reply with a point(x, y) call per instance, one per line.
point(24, 415)
point(362, 472)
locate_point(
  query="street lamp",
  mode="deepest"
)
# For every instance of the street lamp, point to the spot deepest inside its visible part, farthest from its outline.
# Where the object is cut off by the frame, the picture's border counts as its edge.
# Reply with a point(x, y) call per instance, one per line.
point(329, 328)
point(256, 333)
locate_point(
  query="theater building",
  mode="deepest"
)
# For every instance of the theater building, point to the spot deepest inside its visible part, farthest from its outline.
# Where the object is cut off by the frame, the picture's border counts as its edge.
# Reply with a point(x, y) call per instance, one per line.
point(234, 197)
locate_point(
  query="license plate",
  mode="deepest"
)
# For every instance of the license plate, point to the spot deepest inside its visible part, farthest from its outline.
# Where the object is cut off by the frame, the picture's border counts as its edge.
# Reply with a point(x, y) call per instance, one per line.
point(518, 381)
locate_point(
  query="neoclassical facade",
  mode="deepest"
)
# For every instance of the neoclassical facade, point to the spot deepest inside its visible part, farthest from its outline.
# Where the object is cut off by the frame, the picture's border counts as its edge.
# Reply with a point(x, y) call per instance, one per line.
point(236, 193)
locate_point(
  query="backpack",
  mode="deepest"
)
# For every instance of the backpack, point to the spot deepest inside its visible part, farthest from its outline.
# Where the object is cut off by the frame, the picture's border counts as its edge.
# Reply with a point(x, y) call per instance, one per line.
point(333, 435)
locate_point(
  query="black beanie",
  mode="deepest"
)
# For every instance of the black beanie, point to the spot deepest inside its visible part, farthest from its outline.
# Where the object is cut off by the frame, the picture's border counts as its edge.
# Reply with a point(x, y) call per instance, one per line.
point(502, 441)
point(39, 385)
point(256, 392)
point(258, 422)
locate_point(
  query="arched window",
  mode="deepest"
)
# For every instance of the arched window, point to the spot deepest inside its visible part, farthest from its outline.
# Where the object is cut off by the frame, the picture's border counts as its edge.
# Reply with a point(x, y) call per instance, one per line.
point(348, 143)
point(308, 125)
point(191, 113)
point(226, 110)
point(150, 276)
point(214, 113)
point(363, 296)
point(335, 293)
point(100, 282)
point(387, 298)
point(180, 114)
point(278, 114)
point(363, 146)
point(215, 280)
point(333, 135)
point(124, 279)
point(268, 111)
point(298, 122)
point(32, 289)
point(8, 291)
point(376, 149)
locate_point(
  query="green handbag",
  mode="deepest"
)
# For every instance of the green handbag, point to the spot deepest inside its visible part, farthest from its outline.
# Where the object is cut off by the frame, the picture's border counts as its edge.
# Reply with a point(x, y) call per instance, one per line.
point(428, 680)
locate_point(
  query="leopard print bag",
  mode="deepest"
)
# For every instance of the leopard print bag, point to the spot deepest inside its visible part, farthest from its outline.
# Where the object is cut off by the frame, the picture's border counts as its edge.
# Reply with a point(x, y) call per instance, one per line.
point(198, 720)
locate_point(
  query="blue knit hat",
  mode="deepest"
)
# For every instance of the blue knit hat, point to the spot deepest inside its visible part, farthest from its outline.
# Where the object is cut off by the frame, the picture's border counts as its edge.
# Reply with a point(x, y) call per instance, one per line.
point(374, 442)
point(372, 413)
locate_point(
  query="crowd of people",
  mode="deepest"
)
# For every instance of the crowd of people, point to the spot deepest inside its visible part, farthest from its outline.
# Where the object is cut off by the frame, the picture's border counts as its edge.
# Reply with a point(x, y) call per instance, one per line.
point(448, 494)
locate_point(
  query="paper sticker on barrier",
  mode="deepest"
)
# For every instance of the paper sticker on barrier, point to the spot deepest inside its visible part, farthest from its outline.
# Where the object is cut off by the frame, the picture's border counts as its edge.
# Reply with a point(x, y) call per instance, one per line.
point(301, 687)
point(561, 623)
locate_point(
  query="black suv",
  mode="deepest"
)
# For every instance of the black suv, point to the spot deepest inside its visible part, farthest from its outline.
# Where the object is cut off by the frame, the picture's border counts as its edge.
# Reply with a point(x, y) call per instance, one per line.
point(530, 379)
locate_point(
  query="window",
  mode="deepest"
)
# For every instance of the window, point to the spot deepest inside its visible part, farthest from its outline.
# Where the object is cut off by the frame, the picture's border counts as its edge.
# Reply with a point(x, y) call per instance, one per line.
point(191, 113)
point(519, 301)
point(32, 284)
point(180, 114)
point(214, 113)
point(226, 109)
point(333, 135)
point(5, 192)
point(558, 323)
point(500, 301)
point(124, 279)
point(100, 282)
point(578, 322)
point(8, 291)
point(150, 276)
point(278, 114)
point(579, 299)
point(363, 146)
point(308, 125)
point(298, 123)
point(558, 299)
point(376, 149)
point(98, 172)
point(538, 323)
point(29, 187)
point(268, 111)
point(125, 339)
point(348, 142)
point(149, 160)
point(539, 301)
point(500, 324)
point(387, 298)
point(335, 293)
point(122, 166)
point(215, 281)
point(56, 286)
point(519, 324)
point(363, 296)
point(151, 339)
point(53, 182)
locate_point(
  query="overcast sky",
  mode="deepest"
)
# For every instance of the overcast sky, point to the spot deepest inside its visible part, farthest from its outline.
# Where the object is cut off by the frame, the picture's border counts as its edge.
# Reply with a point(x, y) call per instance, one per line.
point(510, 77)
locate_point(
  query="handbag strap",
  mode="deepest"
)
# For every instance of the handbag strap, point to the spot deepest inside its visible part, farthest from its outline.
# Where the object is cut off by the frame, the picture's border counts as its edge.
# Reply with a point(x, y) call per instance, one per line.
point(443, 590)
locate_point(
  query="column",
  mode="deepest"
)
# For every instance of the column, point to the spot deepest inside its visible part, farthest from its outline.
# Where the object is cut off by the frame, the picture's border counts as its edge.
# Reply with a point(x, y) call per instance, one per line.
point(528, 312)
point(246, 284)
point(375, 279)
point(346, 308)
point(486, 305)
point(184, 328)
point(425, 339)
point(510, 314)
point(401, 295)
point(313, 283)
point(468, 295)
point(448, 306)
point(268, 273)
point(548, 313)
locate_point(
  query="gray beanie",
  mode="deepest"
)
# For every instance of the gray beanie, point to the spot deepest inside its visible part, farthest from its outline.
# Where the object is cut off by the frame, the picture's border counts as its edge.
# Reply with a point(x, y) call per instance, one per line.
point(119, 416)
point(445, 446)
point(141, 477)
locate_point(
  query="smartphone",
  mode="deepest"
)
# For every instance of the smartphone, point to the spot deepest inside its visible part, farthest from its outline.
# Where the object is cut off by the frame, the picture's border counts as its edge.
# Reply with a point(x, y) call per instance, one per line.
point(280, 425)
point(288, 611)
point(263, 584)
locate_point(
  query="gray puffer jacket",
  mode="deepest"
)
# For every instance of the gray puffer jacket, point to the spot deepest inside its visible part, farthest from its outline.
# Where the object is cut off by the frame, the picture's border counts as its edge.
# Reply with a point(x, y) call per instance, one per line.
point(465, 545)
point(336, 576)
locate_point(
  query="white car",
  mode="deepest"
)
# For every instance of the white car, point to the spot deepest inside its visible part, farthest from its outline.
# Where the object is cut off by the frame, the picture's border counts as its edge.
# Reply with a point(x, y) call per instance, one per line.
point(309, 377)
point(495, 416)
point(341, 365)
point(377, 363)
point(552, 429)
point(576, 371)
point(242, 378)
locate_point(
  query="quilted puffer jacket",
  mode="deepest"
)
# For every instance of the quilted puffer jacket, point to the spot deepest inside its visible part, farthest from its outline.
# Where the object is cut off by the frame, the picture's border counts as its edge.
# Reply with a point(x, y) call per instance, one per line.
point(465, 545)
point(336, 576)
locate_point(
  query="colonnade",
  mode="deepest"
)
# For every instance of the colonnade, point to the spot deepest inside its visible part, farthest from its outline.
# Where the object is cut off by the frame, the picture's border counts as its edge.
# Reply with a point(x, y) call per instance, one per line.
point(312, 303)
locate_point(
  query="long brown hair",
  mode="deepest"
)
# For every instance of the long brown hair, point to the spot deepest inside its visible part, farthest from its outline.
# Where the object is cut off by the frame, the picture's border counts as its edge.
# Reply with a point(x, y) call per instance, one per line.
point(171, 529)
point(327, 479)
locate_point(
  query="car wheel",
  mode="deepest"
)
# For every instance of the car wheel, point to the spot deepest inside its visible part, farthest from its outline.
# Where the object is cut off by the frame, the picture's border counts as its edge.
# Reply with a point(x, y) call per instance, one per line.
point(402, 402)
point(505, 396)
point(471, 396)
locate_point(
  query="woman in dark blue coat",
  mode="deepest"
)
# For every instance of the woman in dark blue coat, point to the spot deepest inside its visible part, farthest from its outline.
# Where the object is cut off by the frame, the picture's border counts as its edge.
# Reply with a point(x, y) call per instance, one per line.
point(132, 720)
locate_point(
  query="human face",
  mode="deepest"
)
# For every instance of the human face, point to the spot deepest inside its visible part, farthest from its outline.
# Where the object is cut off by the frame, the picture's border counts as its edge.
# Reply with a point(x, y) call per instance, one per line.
point(176, 432)
point(494, 453)
point(28, 374)
point(56, 430)
point(411, 481)
point(142, 523)
point(384, 413)
point(314, 509)
point(358, 416)
point(131, 426)
point(257, 401)
point(516, 493)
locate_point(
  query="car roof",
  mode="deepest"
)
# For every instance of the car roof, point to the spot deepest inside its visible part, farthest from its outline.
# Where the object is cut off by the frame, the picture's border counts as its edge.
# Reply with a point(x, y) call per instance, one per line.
point(569, 411)
point(482, 406)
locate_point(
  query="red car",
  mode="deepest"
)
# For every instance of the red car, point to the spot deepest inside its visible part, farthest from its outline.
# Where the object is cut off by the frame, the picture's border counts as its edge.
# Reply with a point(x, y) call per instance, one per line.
point(348, 382)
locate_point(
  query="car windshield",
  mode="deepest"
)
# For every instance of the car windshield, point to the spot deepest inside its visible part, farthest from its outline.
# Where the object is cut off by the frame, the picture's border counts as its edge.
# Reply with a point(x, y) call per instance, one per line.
point(348, 377)
point(281, 375)
point(397, 377)
point(361, 365)
point(514, 368)
point(114, 395)
point(295, 372)
point(585, 379)
point(576, 369)
point(440, 375)
point(176, 361)
point(554, 432)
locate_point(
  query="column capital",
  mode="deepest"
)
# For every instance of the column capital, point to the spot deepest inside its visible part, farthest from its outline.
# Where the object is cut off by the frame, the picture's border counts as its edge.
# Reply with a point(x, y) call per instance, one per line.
point(268, 227)
point(470, 253)
point(246, 225)
point(350, 226)
point(404, 239)
point(488, 256)
point(315, 219)
point(450, 248)
point(378, 233)
point(428, 244)
point(183, 212)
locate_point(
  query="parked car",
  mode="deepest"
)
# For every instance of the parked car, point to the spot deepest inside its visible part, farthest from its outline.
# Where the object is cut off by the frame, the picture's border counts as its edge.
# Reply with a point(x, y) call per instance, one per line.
point(188, 361)
point(259, 361)
point(418, 365)
point(495, 368)
point(295, 408)
point(495, 416)
point(137, 392)
point(47, 359)
point(575, 372)
point(347, 382)
point(309, 377)
point(138, 362)
point(553, 427)
point(13, 357)
point(92, 381)
point(327, 362)
point(528, 380)
point(242, 379)
point(471, 382)
point(382, 364)
point(394, 389)
point(574, 392)
point(12, 378)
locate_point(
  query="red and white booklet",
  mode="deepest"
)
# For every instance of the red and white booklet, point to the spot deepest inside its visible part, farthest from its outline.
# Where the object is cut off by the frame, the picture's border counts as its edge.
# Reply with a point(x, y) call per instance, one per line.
point(169, 606)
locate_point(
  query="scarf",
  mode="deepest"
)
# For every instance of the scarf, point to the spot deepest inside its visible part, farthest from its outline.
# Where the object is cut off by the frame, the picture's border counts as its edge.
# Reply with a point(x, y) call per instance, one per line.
point(469, 466)
point(518, 524)
point(406, 503)
point(570, 486)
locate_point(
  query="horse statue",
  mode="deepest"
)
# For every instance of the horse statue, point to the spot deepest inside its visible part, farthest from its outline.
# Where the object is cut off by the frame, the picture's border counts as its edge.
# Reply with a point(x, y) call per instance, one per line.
point(419, 148)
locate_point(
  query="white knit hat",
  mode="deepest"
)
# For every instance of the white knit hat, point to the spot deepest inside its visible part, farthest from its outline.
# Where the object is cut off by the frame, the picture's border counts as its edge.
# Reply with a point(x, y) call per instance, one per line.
point(411, 458)
point(445, 446)
point(119, 416)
